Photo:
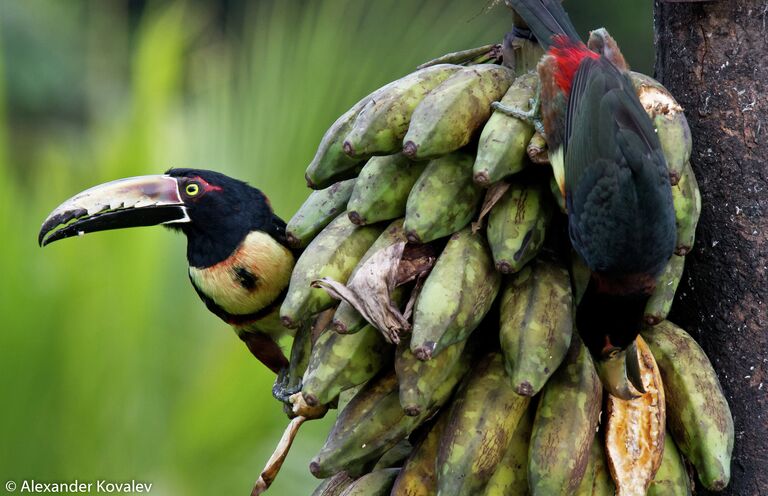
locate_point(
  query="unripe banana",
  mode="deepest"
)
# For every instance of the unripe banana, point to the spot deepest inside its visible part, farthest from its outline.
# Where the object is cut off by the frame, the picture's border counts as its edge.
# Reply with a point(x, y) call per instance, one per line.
point(333, 253)
point(502, 147)
point(317, 211)
point(672, 477)
point(330, 161)
point(687, 201)
point(537, 150)
point(382, 123)
point(395, 456)
point(456, 295)
point(511, 474)
point(372, 423)
point(340, 361)
point(597, 480)
point(536, 324)
point(418, 476)
point(669, 120)
point(419, 379)
point(377, 483)
point(660, 302)
point(333, 486)
point(565, 423)
point(634, 434)
point(448, 117)
point(481, 422)
point(697, 413)
point(382, 189)
point(347, 320)
point(518, 224)
point(443, 200)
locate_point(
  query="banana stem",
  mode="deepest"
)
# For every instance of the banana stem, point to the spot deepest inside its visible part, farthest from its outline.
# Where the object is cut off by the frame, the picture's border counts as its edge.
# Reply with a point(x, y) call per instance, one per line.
point(477, 55)
point(275, 462)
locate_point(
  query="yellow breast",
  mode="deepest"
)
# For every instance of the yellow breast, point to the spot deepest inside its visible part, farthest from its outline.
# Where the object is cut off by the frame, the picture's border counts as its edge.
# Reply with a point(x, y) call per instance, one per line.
point(250, 279)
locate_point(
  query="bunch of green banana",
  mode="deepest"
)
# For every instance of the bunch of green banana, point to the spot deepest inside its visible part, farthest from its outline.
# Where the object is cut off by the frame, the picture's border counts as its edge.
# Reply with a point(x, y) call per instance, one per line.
point(489, 380)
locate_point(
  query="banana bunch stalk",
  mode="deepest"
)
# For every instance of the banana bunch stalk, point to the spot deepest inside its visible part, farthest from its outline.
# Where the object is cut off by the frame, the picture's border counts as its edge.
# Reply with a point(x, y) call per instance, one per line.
point(432, 239)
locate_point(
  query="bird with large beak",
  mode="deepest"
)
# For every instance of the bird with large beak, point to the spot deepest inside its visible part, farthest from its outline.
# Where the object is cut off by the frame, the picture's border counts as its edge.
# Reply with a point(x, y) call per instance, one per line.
point(239, 260)
point(611, 170)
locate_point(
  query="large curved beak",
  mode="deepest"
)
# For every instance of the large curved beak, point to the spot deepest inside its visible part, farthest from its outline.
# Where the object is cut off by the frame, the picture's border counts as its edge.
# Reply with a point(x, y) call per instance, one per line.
point(621, 373)
point(131, 202)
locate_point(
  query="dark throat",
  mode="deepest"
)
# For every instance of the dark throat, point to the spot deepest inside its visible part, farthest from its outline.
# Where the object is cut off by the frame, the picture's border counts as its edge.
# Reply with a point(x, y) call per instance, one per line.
point(611, 310)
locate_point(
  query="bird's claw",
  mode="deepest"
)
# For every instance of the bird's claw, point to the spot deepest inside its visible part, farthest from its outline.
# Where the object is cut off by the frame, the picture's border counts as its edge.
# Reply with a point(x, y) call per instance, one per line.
point(281, 390)
point(532, 116)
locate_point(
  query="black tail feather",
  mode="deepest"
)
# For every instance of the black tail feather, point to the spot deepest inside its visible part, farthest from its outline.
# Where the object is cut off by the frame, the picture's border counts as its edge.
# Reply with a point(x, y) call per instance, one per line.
point(546, 18)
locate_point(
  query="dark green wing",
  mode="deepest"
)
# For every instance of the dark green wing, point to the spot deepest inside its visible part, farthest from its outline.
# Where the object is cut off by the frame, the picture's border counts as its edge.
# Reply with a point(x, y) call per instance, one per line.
point(621, 218)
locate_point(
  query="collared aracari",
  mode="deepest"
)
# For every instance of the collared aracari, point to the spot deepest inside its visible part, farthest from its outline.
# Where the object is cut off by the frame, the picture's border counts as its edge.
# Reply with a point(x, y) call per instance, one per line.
point(609, 165)
point(239, 260)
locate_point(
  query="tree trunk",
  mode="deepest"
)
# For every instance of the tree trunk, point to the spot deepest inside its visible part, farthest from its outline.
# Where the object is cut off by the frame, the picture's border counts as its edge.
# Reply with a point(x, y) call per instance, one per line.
point(714, 58)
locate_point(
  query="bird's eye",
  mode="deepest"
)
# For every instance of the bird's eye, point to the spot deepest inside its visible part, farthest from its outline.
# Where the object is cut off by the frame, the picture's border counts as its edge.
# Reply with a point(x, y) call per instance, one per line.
point(192, 189)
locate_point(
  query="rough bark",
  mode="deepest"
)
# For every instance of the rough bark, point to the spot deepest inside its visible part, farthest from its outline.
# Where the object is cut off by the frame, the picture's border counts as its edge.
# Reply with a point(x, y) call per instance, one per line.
point(714, 58)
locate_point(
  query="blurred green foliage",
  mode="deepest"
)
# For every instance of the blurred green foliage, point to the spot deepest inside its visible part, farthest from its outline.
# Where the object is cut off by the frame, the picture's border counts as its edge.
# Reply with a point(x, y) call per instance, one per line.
point(110, 368)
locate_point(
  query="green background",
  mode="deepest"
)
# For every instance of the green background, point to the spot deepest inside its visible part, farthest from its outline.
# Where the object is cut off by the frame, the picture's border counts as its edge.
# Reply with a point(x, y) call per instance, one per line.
point(110, 367)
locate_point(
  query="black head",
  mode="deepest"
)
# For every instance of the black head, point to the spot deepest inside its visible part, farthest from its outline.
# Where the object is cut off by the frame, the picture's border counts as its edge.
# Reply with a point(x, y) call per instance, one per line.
point(214, 211)
point(222, 211)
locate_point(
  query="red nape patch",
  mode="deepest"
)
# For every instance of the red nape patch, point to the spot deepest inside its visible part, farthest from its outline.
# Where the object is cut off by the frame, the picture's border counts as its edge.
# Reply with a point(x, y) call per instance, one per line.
point(568, 54)
point(206, 185)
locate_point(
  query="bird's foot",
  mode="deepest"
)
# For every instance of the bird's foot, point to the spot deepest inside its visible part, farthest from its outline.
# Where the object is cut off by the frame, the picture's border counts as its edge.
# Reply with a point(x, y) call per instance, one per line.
point(532, 116)
point(281, 390)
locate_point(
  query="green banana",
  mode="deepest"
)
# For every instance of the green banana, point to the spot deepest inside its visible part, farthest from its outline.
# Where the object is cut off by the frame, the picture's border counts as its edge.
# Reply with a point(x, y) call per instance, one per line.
point(536, 324)
point(382, 123)
point(419, 379)
point(443, 200)
point(395, 456)
point(382, 188)
point(517, 225)
point(377, 483)
point(511, 475)
point(448, 117)
point(341, 361)
point(372, 423)
point(602, 484)
point(347, 320)
point(330, 161)
point(669, 120)
point(672, 477)
point(660, 302)
point(502, 147)
point(697, 412)
point(564, 427)
point(317, 211)
point(333, 486)
point(418, 476)
point(597, 479)
point(687, 200)
point(481, 422)
point(333, 253)
point(456, 295)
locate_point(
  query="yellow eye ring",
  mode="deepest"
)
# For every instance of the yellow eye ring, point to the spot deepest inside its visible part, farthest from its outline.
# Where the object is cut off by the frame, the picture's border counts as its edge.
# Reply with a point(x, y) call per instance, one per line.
point(192, 189)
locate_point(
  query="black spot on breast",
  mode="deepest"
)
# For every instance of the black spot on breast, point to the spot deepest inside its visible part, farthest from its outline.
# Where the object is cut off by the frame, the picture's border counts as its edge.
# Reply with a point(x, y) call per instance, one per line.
point(246, 278)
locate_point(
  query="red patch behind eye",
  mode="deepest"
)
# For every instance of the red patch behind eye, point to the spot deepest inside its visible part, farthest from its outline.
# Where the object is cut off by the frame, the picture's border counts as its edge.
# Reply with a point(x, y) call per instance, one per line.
point(568, 54)
point(206, 185)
